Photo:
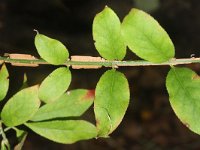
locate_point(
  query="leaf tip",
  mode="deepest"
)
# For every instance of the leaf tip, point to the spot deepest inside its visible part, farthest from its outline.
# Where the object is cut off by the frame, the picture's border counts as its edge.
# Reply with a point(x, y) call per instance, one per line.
point(3, 66)
point(134, 10)
point(107, 9)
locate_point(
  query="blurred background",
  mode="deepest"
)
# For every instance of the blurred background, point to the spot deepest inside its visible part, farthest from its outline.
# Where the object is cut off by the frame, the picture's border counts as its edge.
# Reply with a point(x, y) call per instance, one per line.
point(150, 123)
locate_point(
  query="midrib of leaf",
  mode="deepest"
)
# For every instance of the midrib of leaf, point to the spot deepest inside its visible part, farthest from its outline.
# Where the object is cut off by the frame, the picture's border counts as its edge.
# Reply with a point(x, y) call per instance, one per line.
point(111, 91)
point(112, 46)
point(146, 36)
point(54, 129)
point(181, 85)
point(152, 43)
point(112, 82)
point(109, 118)
point(187, 93)
point(110, 33)
point(44, 113)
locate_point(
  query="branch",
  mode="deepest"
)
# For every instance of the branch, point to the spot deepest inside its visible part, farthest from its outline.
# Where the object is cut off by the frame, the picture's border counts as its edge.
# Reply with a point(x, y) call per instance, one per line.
point(97, 63)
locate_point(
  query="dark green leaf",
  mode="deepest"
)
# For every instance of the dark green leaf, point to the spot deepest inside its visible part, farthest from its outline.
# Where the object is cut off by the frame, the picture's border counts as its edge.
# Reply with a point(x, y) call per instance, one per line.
point(51, 50)
point(65, 132)
point(107, 35)
point(146, 38)
point(111, 101)
point(55, 85)
point(21, 107)
point(4, 82)
point(71, 104)
point(183, 86)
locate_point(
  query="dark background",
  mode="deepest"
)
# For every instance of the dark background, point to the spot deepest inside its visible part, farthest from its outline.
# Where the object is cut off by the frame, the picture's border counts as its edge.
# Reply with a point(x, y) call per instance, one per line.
point(149, 122)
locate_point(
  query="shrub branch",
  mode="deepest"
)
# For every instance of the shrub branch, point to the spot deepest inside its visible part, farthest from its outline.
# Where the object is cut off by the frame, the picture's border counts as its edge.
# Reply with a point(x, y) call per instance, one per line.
point(105, 63)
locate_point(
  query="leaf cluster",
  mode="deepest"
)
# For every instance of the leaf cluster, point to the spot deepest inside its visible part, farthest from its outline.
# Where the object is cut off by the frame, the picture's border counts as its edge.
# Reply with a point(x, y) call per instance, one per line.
point(54, 112)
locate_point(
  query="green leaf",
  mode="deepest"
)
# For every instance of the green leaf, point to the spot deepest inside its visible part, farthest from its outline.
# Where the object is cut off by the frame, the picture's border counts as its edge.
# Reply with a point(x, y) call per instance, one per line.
point(146, 38)
point(183, 86)
point(71, 104)
point(21, 107)
point(4, 82)
point(55, 85)
point(111, 101)
point(65, 132)
point(107, 35)
point(51, 50)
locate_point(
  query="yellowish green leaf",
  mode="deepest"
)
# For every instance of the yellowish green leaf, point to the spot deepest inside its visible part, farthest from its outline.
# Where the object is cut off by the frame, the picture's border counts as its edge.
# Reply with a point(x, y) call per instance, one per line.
point(55, 85)
point(146, 38)
point(107, 35)
point(66, 132)
point(183, 86)
point(111, 101)
point(4, 82)
point(71, 104)
point(51, 50)
point(21, 107)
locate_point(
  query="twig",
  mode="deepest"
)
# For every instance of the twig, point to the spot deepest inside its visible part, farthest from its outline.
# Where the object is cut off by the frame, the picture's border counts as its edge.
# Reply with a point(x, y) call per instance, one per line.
point(104, 63)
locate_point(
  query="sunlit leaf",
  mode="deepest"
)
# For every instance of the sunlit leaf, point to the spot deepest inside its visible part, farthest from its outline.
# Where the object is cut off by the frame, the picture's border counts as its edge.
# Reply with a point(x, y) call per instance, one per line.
point(55, 85)
point(71, 104)
point(146, 38)
point(183, 86)
point(65, 132)
point(51, 50)
point(21, 107)
point(107, 35)
point(111, 101)
point(4, 82)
